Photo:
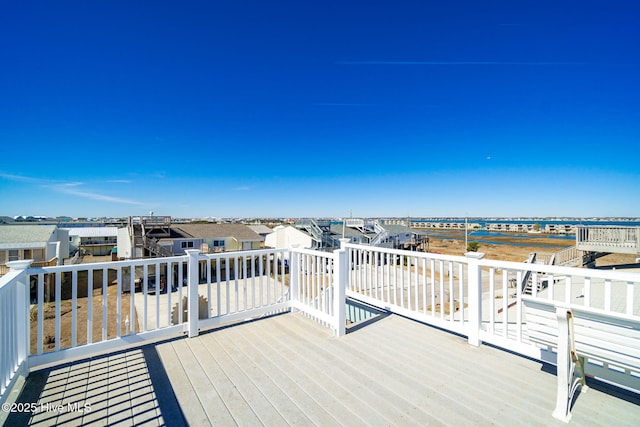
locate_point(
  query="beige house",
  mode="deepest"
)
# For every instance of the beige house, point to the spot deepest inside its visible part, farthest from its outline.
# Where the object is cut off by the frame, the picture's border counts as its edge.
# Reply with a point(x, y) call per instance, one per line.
point(45, 244)
point(210, 238)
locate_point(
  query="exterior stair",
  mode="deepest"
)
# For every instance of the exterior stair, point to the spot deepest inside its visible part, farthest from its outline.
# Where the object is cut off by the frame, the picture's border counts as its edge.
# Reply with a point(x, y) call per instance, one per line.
point(157, 250)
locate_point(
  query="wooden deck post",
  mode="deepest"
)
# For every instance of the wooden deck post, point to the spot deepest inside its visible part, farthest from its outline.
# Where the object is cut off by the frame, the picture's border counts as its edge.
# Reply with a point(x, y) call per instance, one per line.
point(193, 278)
point(474, 274)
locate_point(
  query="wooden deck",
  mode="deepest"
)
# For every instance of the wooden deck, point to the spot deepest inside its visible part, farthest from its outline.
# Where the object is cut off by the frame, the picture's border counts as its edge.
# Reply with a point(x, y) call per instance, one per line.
point(288, 370)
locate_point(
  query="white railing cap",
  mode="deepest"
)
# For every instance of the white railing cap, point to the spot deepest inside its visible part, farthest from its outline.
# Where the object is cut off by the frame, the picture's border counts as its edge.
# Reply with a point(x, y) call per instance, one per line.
point(21, 264)
point(474, 255)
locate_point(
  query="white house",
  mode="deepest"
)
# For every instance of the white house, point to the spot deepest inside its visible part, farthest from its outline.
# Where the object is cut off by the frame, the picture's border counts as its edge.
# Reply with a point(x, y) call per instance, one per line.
point(95, 241)
point(284, 237)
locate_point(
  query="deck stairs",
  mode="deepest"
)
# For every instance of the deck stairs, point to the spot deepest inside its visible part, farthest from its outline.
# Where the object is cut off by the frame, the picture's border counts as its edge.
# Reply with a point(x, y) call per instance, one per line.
point(567, 257)
point(371, 228)
point(526, 282)
point(143, 244)
point(381, 235)
point(320, 232)
point(137, 237)
point(157, 250)
point(328, 240)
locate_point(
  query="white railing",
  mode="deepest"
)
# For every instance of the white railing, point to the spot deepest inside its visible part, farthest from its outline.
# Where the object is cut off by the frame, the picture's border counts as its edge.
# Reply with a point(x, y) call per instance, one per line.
point(422, 285)
point(542, 258)
point(312, 274)
point(88, 307)
point(241, 285)
point(480, 298)
point(610, 238)
point(568, 256)
point(354, 222)
point(81, 309)
point(14, 320)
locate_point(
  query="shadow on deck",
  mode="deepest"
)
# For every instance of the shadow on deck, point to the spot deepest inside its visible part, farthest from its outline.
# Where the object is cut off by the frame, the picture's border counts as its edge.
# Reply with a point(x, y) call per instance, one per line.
point(128, 387)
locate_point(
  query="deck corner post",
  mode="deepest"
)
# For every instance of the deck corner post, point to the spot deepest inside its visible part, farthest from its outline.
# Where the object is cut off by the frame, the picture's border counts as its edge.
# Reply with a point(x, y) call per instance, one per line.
point(475, 297)
point(340, 280)
point(193, 278)
point(294, 274)
point(22, 310)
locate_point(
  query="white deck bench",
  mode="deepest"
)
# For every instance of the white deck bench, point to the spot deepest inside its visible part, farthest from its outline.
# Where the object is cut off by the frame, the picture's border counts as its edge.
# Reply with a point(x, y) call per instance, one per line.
point(578, 333)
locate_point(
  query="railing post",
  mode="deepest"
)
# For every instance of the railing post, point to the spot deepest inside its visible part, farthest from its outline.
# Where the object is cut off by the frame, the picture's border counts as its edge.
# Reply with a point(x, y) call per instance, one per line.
point(475, 296)
point(294, 274)
point(340, 279)
point(22, 311)
point(193, 280)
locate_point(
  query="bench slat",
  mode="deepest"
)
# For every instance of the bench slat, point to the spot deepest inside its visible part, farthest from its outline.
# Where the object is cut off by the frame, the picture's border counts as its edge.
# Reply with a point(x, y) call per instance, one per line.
point(612, 338)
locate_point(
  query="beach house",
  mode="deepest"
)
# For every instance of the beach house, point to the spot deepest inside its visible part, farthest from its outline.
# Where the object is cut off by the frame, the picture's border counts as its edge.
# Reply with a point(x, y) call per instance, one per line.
point(44, 244)
point(96, 241)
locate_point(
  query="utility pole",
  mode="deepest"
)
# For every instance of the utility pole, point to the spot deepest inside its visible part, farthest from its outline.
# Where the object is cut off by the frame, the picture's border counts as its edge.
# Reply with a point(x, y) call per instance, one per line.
point(466, 239)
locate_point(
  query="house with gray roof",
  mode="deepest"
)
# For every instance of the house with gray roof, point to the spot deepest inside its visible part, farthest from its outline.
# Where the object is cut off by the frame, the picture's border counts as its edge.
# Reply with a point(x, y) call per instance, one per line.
point(211, 238)
point(353, 234)
point(45, 244)
point(262, 230)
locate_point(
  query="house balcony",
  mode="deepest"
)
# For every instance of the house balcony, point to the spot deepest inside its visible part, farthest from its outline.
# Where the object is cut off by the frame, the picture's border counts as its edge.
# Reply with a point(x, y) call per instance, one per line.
point(107, 242)
point(614, 239)
point(360, 336)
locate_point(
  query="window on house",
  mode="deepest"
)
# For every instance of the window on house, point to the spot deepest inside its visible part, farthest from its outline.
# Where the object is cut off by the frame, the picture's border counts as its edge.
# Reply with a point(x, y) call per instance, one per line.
point(218, 243)
point(187, 245)
point(13, 255)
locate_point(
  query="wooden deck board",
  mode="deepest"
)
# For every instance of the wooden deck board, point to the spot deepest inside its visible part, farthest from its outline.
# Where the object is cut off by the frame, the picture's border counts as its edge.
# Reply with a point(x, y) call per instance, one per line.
point(427, 381)
point(321, 392)
point(316, 371)
point(288, 370)
point(430, 362)
point(362, 378)
point(242, 400)
point(203, 396)
point(262, 374)
point(357, 387)
point(187, 394)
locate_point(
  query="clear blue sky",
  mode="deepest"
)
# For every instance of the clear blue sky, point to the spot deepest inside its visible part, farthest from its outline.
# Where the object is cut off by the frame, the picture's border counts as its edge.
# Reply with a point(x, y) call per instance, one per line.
point(236, 108)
